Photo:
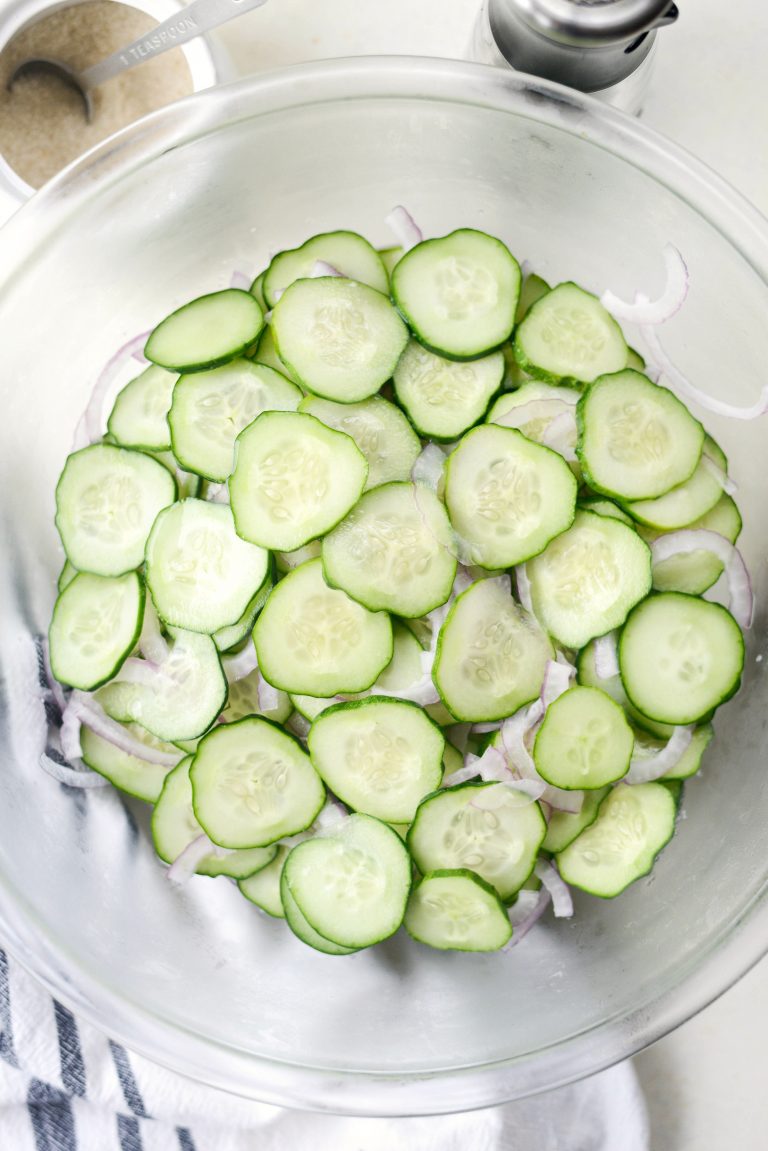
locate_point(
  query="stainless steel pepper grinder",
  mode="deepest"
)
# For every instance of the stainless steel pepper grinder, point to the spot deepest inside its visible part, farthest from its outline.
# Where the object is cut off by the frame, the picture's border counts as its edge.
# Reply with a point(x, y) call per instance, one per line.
point(605, 47)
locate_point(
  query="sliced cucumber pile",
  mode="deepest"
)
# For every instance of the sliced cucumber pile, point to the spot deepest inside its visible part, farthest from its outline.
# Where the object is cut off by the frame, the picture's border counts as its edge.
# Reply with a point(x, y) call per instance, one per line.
point(286, 607)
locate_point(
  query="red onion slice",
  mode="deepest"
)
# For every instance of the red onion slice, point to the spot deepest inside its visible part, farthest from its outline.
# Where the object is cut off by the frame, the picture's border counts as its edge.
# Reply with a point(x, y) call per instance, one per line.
point(299, 725)
point(69, 735)
point(240, 281)
point(557, 680)
point(687, 540)
point(549, 409)
point(494, 797)
point(644, 769)
point(484, 728)
point(240, 665)
point(320, 269)
point(70, 776)
point(217, 494)
point(527, 909)
point(459, 734)
point(513, 732)
point(523, 585)
point(559, 435)
point(404, 228)
point(93, 414)
point(330, 819)
point(562, 903)
point(91, 714)
point(152, 643)
point(428, 467)
point(606, 656)
point(423, 691)
point(645, 311)
point(185, 865)
point(684, 387)
point(268, 696)
point(725, 482)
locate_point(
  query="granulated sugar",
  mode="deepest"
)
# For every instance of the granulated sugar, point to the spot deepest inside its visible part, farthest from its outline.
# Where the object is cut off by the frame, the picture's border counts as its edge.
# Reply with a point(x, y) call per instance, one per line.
point(42, 121)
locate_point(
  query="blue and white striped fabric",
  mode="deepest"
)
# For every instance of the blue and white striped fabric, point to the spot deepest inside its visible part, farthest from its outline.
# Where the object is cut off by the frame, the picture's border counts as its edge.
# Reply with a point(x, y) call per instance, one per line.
point(66, 1087)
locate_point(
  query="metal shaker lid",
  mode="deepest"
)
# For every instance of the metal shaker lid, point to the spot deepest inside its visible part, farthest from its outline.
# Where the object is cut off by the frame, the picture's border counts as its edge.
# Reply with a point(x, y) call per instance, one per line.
point(586, 44)
point(593, 22)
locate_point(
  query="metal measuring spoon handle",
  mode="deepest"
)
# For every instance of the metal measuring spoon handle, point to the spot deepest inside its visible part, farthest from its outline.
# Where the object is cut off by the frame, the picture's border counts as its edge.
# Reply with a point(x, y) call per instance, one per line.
point(199, 17)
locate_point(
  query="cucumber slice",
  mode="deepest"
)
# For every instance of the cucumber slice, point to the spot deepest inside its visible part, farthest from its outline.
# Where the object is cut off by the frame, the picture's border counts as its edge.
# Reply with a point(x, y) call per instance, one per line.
point(636, 439)
point(339, 338)
point(532, 290)
point(257, 291)
point(612, 686)
point(589, 578)
point(294, 478)
point(206, 332)
point(602, 507)
point(287, 561)
point(402, 671)
point(569, 338)
point(244, 701)
point(453, 910)
point(507, 497)
point(266, 354)
point(635, 360)
point(127, 772)
point(392, 553)
point(689, 762)
point(302, 929)
point(390, 257)
point(584, 742)
point(347, 252)
point(555, 402)
point(680, 657)
point(695, 572)
point(563, 827)
point(252, 784)
point(200, 573)
point(139, 417)
point(311, 706)
point(352, 885)
point(210, 409)
point(632, 826)
point(445, 397)
point(682, 505)
point(459, 293)
point(107, 499)
point(189, 692)
point(491, 655)
point(174, 827)
point(405, 668)
point(188, 484)
point(313, 640)
point(485, 828)
point(453, 760)
point(380, 756)
point(228, 637)
point(380, 430)
point(95, 625)
point(66, 575)
point(263, 888)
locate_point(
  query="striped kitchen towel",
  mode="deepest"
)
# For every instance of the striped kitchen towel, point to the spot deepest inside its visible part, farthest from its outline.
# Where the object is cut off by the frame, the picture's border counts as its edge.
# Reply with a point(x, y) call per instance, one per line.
point(66, 1087)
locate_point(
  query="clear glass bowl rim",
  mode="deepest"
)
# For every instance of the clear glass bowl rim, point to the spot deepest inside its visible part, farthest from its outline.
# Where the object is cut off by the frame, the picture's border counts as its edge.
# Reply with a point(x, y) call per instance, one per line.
point(729, 956)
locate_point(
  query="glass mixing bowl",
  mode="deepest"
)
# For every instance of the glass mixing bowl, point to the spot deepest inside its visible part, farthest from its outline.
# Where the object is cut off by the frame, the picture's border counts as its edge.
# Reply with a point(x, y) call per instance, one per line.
point(195, 978)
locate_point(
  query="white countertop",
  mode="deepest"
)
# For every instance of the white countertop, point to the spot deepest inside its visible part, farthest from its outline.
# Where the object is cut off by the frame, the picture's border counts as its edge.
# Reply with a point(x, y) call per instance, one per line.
point(705, 1083)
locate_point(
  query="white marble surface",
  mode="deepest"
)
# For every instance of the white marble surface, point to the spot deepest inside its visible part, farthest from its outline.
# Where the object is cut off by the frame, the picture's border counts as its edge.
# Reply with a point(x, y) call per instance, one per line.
point(705, 1083)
